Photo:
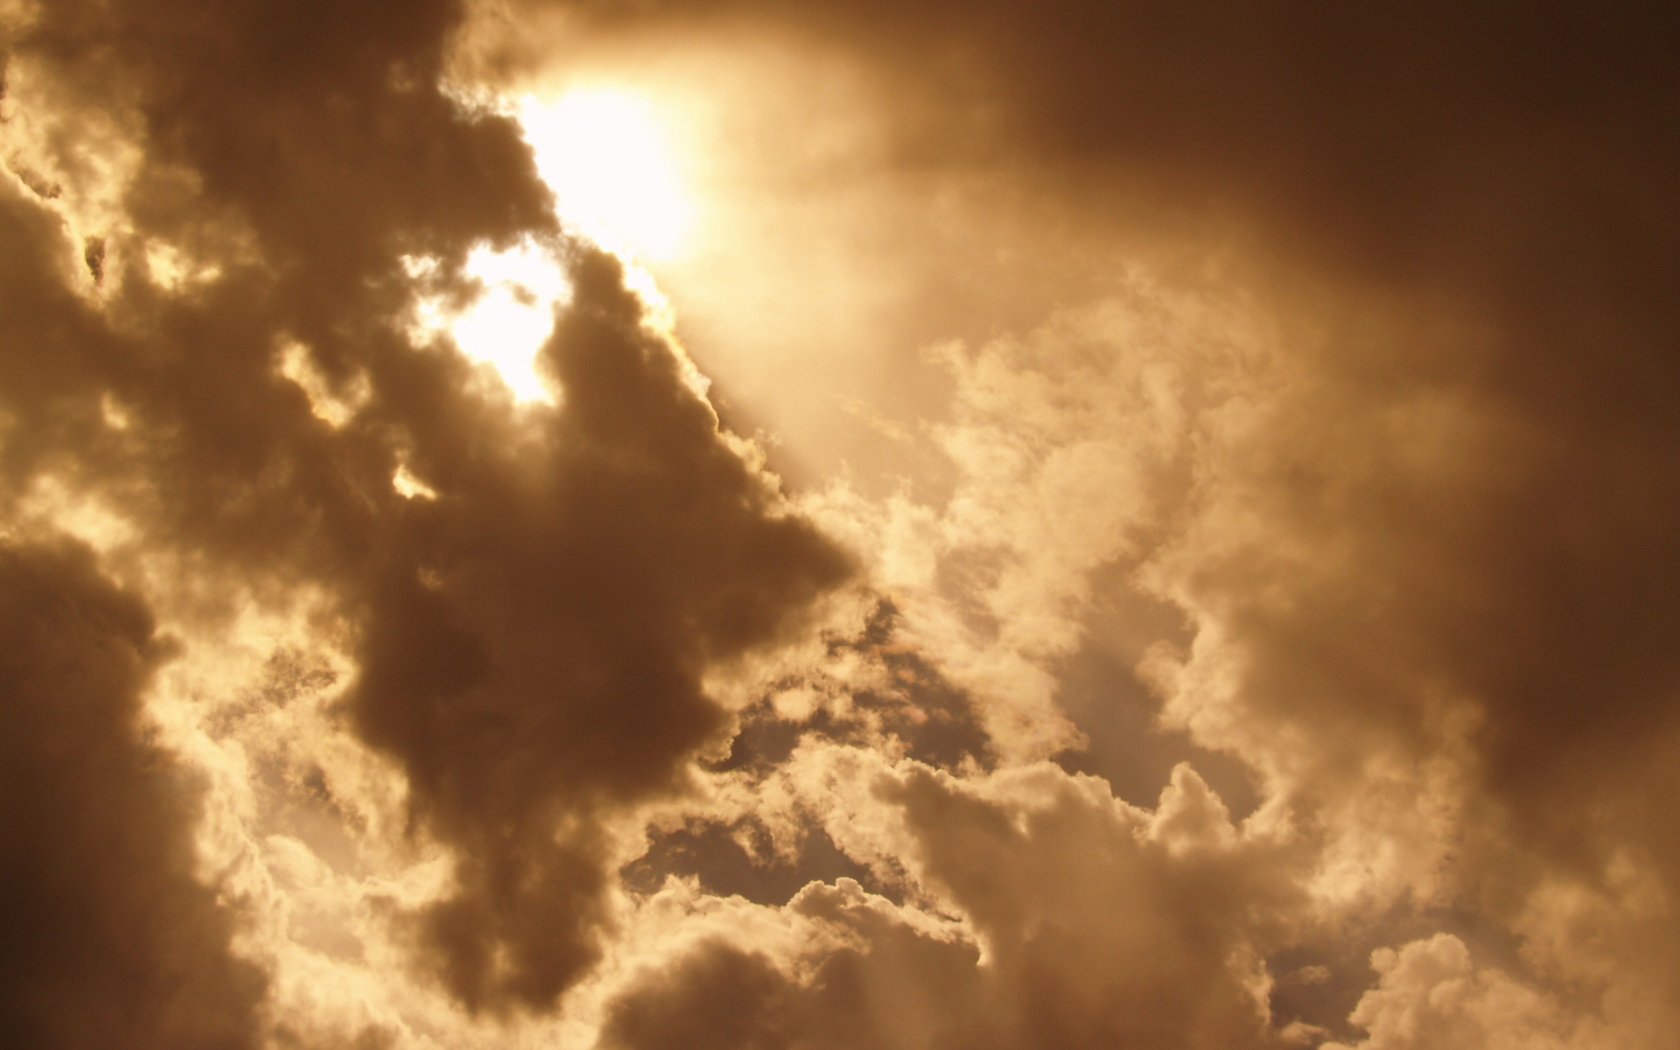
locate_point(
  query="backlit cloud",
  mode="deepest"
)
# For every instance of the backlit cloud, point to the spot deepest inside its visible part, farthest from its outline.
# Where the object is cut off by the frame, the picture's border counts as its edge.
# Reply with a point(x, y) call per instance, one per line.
point(722, 524)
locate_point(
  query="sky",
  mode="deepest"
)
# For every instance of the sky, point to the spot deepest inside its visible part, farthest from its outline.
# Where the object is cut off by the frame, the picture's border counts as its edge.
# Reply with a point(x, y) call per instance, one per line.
point(727, 525)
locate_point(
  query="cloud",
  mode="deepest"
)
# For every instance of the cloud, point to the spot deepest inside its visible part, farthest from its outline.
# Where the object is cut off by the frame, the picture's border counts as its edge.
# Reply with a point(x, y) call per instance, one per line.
point(552, 667)
point(530, 643)
point(1048, 913)
point(1430, 994)
point(112, 939)
point(1331, 424)
point(1426, 553)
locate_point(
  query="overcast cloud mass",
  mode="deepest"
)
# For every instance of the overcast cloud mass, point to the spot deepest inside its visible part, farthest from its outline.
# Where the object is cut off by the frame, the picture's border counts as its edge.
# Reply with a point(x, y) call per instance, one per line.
point(1100, 525)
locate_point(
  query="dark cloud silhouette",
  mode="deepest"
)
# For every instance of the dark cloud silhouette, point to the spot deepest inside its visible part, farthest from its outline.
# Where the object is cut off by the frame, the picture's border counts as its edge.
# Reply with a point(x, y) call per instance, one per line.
point(554, 667)
point(531, 640)
point(724, 997)
point(111, 939)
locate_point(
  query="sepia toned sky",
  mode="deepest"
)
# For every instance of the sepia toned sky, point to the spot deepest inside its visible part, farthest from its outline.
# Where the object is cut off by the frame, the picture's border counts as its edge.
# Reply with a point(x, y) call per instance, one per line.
point(727, 525)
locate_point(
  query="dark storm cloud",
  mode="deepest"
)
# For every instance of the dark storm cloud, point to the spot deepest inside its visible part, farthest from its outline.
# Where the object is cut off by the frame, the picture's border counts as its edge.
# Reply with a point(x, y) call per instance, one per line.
point(531, 641)
point(581, 591)
point(722, 997)
point(111, 941)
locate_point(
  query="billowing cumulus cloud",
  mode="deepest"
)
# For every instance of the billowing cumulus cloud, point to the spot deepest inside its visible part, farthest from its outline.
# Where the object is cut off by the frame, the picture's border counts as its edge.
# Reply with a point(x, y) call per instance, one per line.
point(1044, 912)
point(1225, 598)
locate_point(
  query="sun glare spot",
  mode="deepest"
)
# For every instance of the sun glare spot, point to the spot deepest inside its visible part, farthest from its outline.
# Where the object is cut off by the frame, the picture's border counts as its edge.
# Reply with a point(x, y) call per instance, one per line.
point(607, 157)
point(509, 321)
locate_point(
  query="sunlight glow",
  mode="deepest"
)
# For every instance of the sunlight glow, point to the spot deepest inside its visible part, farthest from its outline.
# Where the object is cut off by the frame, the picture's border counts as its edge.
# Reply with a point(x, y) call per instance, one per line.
point(509, 322)
point(608, 158)
point(410, 487)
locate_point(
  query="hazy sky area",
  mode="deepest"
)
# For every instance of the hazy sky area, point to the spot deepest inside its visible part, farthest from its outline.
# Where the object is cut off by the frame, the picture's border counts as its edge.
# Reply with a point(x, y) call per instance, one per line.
point(839, 525)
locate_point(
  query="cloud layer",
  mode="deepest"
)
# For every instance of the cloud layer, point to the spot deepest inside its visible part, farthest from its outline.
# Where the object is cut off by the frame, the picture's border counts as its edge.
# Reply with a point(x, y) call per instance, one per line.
point(1300, 457)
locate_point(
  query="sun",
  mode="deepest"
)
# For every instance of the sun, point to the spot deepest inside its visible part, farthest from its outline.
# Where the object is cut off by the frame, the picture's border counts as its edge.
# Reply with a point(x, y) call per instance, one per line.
point(608, 156)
